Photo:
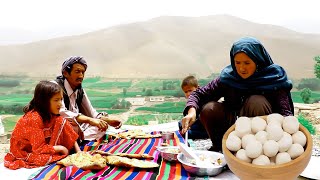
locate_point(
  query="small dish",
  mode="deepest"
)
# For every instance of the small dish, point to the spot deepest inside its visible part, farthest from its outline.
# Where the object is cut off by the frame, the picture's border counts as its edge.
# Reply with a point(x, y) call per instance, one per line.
point(167, 135)
point(169, 153)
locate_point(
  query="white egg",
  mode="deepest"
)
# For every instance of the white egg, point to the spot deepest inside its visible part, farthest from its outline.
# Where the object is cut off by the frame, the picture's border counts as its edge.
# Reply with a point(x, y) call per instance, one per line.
point(290, 124)
point(233, 143)
point(258, 124)
point(247, 138)
point(274, 132)
point(299, 138)
point(253, 149)
point(282, 158)
point(261, 160)
point(270, 148)
point(241, 154)
point(285, 142)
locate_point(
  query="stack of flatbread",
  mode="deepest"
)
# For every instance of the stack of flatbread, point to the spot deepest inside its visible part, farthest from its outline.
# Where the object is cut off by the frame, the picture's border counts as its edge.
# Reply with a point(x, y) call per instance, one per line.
point(127, 162)
point(136, 134)
point(84, 160)
point(137, 156)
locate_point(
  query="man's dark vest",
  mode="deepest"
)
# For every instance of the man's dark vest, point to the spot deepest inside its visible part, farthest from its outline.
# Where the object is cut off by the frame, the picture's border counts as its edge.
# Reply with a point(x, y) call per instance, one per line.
point(60, 80)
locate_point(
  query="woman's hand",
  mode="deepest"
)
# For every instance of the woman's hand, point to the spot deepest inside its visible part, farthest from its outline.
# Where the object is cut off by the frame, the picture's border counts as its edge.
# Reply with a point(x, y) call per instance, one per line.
point(61, 150)
point(188, 120)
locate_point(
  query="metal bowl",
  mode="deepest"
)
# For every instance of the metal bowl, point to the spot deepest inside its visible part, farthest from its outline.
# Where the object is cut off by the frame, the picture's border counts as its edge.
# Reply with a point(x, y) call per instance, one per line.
point(169, 155)
point(202, 171)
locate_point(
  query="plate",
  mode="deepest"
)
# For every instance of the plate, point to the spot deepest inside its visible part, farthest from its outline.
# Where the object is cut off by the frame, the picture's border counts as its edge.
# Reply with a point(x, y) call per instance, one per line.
point(312, 170)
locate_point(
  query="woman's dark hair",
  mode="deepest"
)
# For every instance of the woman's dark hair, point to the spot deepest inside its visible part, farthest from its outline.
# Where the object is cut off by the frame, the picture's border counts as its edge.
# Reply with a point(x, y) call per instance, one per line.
point(40, 102)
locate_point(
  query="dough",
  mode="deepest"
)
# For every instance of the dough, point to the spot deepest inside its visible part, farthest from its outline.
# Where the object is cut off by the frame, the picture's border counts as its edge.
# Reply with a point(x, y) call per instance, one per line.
point(295, 151)
point(275, 117)
point(247, 138)
point(274, 132)
point(285, 142)
point(233, 143)
point(299, 138)
point(254, 149)
point(258, 124)
point(282, 158)
point(290, 124)
point(270, 148)
point(261, 160)
point(241, 154)
point(261, 136)
point(243, 126)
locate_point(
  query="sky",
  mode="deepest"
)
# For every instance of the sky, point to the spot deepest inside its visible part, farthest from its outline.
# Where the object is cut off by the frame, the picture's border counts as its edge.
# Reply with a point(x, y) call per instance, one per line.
point(54, 18)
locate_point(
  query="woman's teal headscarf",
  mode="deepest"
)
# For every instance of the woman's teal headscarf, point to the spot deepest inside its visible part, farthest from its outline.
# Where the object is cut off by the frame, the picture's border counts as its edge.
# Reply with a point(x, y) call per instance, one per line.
point(268, 76)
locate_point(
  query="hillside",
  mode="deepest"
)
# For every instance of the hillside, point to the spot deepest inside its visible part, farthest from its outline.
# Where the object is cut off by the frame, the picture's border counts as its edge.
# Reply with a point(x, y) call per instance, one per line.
point(164, 47)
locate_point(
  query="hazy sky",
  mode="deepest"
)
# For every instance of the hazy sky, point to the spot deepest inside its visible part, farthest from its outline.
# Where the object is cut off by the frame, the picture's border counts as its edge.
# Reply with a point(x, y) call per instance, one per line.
point(66, 17)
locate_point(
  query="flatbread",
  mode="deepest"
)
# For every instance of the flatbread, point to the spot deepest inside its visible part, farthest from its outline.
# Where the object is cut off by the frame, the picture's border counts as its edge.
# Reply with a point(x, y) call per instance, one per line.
point(137, 156)
point(136, 134)
point(84, 160)
point(127, 162)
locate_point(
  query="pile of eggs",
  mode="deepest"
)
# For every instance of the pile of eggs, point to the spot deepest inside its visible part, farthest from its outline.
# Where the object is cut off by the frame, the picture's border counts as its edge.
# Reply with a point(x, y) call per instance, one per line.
point(273, 141)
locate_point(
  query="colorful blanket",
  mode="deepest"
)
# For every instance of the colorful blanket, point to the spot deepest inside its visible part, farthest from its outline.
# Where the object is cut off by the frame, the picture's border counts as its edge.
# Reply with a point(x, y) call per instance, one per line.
point(166, 170)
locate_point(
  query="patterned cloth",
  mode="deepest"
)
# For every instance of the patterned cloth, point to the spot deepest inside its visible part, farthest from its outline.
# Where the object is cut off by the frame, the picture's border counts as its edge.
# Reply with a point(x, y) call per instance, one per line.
point(166, 170)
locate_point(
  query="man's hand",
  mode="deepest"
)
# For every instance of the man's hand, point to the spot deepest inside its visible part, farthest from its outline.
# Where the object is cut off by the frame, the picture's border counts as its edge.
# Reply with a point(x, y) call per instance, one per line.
point(102, 125)
point(188, 120)
point(112, 121)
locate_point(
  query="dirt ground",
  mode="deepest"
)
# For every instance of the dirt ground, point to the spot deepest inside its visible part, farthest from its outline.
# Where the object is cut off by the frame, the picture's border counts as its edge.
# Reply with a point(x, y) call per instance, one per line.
point(4, 148)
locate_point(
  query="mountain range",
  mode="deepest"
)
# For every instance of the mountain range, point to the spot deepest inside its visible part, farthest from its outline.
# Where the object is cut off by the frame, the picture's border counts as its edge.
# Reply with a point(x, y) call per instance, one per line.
point(163, 47)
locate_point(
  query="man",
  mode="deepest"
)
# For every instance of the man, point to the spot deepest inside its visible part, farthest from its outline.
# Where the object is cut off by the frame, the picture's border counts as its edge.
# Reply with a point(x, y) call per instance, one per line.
point(87, 122)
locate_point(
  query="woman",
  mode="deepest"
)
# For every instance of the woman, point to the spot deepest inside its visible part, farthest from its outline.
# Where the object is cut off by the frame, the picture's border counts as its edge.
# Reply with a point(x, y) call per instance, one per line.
point(41, 136)
point(251, 86)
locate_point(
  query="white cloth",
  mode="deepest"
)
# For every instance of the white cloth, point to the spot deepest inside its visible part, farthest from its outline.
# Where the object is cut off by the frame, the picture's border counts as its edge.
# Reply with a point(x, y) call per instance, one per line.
point(22, 173)
point(89, 132)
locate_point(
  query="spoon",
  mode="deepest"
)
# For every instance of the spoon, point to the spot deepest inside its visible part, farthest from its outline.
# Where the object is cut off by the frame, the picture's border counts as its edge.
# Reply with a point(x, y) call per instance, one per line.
point(186, 138)
point(189, 153)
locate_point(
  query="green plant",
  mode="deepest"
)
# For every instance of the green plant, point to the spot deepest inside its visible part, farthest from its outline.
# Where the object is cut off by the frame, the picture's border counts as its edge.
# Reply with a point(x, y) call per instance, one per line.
point(306, 123)
point(317, 67)
point(305, 95)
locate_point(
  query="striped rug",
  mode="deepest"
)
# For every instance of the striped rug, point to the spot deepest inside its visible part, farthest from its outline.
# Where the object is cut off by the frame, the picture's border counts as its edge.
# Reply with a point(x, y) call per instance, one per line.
point(166, 170)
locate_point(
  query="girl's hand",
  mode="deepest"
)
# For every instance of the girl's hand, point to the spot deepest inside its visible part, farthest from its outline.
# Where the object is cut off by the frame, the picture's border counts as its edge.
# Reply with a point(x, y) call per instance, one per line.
point(76, 147)
point(61, 150)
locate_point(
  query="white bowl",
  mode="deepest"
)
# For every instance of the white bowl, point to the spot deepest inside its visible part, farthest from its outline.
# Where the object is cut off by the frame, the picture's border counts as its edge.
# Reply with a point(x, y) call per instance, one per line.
point(203, 171)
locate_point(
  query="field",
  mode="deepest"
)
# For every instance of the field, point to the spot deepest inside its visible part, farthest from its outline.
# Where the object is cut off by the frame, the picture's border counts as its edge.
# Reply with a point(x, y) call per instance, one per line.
point(107, 95)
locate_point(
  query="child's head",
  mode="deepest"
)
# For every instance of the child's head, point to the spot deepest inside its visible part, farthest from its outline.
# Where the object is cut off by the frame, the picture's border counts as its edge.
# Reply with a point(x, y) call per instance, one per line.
point(188, 85)
point(47, 99)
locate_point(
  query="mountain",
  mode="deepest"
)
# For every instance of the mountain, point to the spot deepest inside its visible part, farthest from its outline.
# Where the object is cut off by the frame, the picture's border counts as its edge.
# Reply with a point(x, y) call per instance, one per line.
point(163, 47)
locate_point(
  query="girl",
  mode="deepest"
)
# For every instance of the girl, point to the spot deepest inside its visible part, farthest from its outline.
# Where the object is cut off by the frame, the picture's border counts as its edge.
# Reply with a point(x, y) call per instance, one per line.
point(41, 136)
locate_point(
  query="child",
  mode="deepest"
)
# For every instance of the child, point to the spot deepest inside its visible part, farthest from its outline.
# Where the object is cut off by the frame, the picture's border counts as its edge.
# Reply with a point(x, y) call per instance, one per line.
point(196, 131)
point(41, 136)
